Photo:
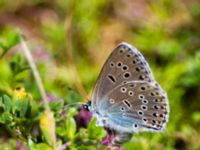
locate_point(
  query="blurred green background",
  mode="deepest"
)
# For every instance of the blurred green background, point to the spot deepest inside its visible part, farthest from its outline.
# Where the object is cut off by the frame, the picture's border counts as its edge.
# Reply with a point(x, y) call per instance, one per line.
point(68, 34)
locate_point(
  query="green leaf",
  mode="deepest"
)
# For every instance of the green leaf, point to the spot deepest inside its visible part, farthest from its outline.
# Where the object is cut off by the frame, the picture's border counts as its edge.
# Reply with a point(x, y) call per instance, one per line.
point(55, 106)
point(22, 106)
point(131, 145)
point(43, 146)
point(94, 131)
point(40, 146)
point(196, 116)
point(17, 64)
point(72, 112)
point(70, 127)
point(72, 97)
point(10, 39)
point(31, 144)
point(88, 147)
point(7, 103)
point(72, 147)
point(5, 118)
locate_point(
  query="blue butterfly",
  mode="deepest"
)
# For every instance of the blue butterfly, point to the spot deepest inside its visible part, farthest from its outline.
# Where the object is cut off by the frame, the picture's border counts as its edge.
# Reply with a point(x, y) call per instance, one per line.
point(126, 97)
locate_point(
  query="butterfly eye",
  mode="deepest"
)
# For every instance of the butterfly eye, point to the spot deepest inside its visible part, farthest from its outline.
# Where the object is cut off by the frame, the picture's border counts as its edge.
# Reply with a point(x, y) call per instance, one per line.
point(87, 106)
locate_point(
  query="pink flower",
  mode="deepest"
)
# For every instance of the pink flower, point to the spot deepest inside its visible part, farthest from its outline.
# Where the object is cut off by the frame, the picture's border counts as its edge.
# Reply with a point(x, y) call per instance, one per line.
point(52, 98)
point(108, 139)
point(83, 117)
point(20, 146)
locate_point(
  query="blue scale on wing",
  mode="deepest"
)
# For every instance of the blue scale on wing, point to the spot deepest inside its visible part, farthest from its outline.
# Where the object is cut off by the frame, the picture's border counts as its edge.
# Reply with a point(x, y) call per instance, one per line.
point(125, 122)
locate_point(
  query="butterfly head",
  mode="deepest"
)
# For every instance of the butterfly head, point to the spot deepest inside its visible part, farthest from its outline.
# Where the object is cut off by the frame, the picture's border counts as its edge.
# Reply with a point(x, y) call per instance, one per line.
point(87, 106)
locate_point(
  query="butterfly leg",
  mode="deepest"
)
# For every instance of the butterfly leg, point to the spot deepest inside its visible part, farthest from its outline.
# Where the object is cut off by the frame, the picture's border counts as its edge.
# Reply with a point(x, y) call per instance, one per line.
point(121, 138)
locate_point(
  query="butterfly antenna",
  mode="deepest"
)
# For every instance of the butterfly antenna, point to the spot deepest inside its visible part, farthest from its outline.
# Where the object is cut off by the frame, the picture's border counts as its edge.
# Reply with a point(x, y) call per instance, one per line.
point(73, 104)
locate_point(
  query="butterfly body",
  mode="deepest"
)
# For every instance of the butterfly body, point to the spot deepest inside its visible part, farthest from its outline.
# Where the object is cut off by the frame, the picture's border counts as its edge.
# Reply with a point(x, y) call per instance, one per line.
point(126, 97)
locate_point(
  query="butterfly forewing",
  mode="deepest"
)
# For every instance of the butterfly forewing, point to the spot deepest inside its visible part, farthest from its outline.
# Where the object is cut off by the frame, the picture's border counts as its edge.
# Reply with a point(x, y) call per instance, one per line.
point(125, 63)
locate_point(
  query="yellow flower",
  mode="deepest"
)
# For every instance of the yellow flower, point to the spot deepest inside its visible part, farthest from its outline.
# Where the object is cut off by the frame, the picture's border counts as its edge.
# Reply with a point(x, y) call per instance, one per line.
point(20, 93)
point(47, 126)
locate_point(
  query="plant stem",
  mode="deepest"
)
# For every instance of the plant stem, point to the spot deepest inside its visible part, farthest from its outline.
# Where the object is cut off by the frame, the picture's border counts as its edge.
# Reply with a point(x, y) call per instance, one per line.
point(69, 52)
point(38, 80)
point(36, 74)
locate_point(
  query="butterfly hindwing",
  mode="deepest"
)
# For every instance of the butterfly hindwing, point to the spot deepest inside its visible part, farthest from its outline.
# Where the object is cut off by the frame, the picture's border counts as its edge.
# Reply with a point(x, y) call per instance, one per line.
point(137, 106)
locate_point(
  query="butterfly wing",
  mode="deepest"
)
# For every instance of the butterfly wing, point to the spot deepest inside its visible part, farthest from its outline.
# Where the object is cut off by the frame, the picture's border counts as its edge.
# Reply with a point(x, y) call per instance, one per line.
point(135, 106)
point(125, 63)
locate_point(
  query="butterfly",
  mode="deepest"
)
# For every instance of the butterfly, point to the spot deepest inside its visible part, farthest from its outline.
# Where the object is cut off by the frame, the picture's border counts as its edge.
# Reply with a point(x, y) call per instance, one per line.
point(126, 98)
